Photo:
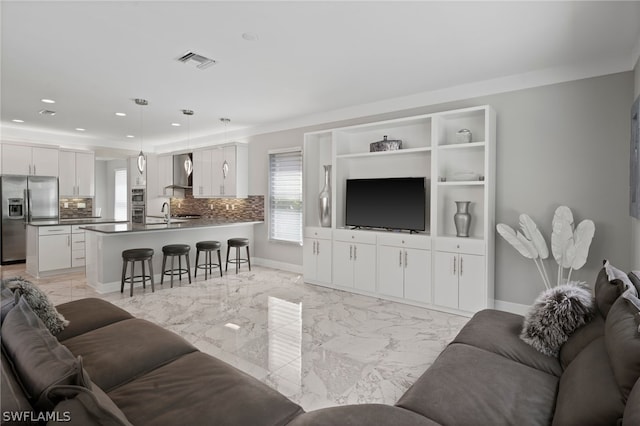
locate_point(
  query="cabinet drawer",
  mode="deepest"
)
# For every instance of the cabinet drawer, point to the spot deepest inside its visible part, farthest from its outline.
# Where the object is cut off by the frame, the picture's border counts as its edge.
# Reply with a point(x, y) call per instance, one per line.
point(459, 245)
point(78, 245)
point(77, 258)
point(404, 240)
point(315, 232)
point(54, 230)
point(365, 237)
point(75, 229)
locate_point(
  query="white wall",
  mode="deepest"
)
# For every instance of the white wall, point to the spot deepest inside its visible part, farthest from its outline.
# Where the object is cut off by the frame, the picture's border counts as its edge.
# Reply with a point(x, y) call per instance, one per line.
point(559, 144)
point(635, 223)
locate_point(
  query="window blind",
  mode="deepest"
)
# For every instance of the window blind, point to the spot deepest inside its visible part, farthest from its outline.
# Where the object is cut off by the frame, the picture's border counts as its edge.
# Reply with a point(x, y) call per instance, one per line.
point(285, 196)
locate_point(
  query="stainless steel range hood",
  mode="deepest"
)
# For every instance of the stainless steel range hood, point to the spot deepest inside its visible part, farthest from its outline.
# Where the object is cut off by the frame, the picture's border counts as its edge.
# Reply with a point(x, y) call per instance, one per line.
point(180, 178)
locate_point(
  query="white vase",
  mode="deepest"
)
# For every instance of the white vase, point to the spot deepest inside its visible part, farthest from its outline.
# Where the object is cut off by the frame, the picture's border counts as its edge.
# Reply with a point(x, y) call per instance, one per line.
point(324, 199)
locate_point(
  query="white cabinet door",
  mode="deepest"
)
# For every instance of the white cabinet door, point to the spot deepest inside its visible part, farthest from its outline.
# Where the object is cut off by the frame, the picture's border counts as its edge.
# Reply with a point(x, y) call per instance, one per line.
point(472, 289)
point(390, 271)
point(85, 174)
point(217, 176)
point(417, 275)
point(342, 264)
point(67, 173)
point(323, 261)
point(445, 286)
point(165, 174)
point(202, 173)
point(54, 252)
point(16, 159)
point(309, 260)
point(229, 179)
point(364, 267)
point(44, 161)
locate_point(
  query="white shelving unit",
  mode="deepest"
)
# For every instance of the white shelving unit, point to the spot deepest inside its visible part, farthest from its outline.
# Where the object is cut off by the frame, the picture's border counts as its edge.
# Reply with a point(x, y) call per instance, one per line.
point(432, 268)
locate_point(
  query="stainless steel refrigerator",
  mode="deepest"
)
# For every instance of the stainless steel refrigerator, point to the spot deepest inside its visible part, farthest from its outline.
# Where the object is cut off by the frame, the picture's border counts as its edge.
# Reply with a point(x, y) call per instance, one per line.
point(24, 199)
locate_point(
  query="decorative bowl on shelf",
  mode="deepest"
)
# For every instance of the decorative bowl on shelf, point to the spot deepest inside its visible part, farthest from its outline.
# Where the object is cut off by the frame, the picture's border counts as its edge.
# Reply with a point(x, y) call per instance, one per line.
point(464, 176)
point(385, 145)
point(463, 136)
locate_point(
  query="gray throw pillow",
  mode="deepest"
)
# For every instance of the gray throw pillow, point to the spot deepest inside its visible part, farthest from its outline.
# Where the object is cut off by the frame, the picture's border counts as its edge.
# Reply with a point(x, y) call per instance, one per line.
point(7, 301)
point(38, 359)
point(555, 315)
point(39, 302)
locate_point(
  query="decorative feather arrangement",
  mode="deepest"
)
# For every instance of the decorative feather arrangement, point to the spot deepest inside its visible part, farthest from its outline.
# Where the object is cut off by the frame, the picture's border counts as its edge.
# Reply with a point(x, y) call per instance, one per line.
point(570, 247)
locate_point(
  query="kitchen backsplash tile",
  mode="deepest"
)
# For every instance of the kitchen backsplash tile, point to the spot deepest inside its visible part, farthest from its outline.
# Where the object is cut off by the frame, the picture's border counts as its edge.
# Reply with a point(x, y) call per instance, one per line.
point(74, 207)
point(251, 208)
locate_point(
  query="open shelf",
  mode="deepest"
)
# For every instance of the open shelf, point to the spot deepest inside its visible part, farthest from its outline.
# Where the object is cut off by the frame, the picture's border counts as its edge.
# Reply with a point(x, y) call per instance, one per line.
point(469, 145)
point(462, 183)
point(407, 151)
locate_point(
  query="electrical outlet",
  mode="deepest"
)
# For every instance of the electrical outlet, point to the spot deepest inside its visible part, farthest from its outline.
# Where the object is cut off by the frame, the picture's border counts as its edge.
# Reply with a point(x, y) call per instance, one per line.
point(82, 205)
point(233, 206)
point(210, 206)
point(227, 206)
point(66, 205)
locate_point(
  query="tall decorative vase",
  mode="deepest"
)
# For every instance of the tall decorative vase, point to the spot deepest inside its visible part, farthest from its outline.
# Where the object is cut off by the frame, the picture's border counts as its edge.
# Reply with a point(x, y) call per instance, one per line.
point(324, 199)
point(462, 218)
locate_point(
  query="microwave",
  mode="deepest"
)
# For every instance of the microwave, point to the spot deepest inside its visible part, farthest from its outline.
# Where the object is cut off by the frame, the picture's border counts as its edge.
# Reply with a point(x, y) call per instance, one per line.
point(137, 196)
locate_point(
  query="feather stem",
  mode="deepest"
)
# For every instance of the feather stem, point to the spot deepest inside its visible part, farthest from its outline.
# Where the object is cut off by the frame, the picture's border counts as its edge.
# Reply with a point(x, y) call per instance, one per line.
point(546, 276)
point(569, 276)
point(540, 271)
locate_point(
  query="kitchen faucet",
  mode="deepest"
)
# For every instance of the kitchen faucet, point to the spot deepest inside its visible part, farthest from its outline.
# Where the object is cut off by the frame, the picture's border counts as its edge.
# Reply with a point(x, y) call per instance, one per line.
point(167, 215)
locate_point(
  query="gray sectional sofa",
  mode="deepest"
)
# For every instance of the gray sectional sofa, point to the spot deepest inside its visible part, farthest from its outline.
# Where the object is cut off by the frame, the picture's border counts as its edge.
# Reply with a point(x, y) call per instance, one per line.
point(138, 373)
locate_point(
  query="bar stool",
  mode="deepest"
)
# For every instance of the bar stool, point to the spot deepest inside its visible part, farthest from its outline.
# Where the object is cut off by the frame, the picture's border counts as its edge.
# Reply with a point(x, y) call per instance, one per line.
point(174, 250)
point(237, 243)
point(207, 247)
point(133, 256)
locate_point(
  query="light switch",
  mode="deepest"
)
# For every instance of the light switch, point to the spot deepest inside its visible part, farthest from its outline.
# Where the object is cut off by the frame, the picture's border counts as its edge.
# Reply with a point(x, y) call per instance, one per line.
point(66, 205)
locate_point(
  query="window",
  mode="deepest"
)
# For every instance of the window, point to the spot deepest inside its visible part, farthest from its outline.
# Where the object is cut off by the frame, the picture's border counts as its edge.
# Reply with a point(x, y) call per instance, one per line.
point(285, 195)
point(120, 204)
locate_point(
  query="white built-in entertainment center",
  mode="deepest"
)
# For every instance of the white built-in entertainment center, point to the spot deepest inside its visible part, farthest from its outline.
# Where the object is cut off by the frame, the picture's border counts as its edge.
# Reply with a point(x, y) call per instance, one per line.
point(432, 268)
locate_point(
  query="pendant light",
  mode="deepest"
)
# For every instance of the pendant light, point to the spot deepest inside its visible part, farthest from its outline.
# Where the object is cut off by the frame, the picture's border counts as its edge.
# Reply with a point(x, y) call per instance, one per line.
point(188, 164)
point(225, 164)
point(142, 161)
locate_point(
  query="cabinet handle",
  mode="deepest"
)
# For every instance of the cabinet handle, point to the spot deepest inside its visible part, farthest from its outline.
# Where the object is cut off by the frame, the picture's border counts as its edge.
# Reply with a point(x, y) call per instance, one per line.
point(317, 247)
point(29, 168)
point(454, 265)
point(68, 240)
point(461, 263)
point(355, 252)
point(350, 252)
point(405, 259)
point(400, 258)
point(34, 169)
point(314, 247)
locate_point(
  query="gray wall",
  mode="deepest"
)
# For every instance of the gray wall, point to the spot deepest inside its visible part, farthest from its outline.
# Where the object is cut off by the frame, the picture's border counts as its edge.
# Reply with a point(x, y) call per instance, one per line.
point(100, 201)
point(562, 144)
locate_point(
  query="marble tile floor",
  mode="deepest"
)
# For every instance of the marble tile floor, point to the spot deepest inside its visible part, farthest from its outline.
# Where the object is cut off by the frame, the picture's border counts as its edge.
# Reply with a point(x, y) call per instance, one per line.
point(319, 347)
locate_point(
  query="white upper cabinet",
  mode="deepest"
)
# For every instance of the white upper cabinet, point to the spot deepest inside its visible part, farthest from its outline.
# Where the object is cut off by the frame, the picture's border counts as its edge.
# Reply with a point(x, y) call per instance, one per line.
point(77, 174)
point(221, 172)
point(29, 160)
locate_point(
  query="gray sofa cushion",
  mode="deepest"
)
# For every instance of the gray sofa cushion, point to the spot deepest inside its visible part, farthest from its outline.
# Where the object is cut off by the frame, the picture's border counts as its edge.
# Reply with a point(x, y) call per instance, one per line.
point(89, 314)
point(470, 386)
point(120, 352)
point(634, 277)
point(588, 393)
point(38, 359)
point(8, 301)
point(606, 292)
point(362, 415)
point(13, 400)
point(580, 339)
point(497, 332)
point(197, 389)
point(623, 341)
point(631, 415)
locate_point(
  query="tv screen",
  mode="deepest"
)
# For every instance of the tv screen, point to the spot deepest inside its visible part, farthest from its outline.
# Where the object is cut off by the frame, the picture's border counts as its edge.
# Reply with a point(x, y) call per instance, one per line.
point(391, 203)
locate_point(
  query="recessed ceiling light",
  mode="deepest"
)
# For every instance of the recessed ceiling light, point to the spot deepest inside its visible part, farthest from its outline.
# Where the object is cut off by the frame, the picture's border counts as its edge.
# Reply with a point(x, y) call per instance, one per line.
point(80, 129)
point(17, 120)
point(250, 36)
point(176, 124)
point(121, 114)
point(130, 136)
point(48, 101)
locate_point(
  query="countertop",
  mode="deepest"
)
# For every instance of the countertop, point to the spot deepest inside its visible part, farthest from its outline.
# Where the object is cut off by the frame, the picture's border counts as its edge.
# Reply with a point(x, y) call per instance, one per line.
point(118, 228)
point(75, 221)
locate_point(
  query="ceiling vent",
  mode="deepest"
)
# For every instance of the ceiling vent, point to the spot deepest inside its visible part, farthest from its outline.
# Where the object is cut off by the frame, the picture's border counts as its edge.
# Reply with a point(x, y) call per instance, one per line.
point(203, 62)
point(46, 112)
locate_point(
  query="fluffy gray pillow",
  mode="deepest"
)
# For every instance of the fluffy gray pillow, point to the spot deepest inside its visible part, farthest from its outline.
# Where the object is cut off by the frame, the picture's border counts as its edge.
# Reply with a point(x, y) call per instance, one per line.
point(555, 315)
point(39, 303)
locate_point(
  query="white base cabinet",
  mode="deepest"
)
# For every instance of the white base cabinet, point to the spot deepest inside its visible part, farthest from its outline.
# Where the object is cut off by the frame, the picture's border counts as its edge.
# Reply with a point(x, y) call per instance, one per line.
point(316, 251)
point(354, 260)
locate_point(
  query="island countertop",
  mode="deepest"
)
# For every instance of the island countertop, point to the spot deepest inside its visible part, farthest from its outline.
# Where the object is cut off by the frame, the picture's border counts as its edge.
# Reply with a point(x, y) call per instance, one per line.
point(127, 227)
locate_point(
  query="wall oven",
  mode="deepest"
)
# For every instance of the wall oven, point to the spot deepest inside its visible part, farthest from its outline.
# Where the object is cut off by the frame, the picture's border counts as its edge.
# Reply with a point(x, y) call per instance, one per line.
point(137, 196)
point(138, 214)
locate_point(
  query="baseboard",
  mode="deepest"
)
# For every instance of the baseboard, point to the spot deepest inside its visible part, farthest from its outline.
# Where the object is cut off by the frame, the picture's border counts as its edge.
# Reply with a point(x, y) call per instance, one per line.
point(290, 267)
point(515, 308)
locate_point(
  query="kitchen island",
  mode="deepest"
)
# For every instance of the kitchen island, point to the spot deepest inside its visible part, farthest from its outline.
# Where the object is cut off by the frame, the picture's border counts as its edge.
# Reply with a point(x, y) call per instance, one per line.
point(105, 244)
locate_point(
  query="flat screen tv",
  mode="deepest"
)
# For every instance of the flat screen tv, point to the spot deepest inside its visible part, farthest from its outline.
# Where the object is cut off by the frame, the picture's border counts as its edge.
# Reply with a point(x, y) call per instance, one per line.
point(389, 203)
